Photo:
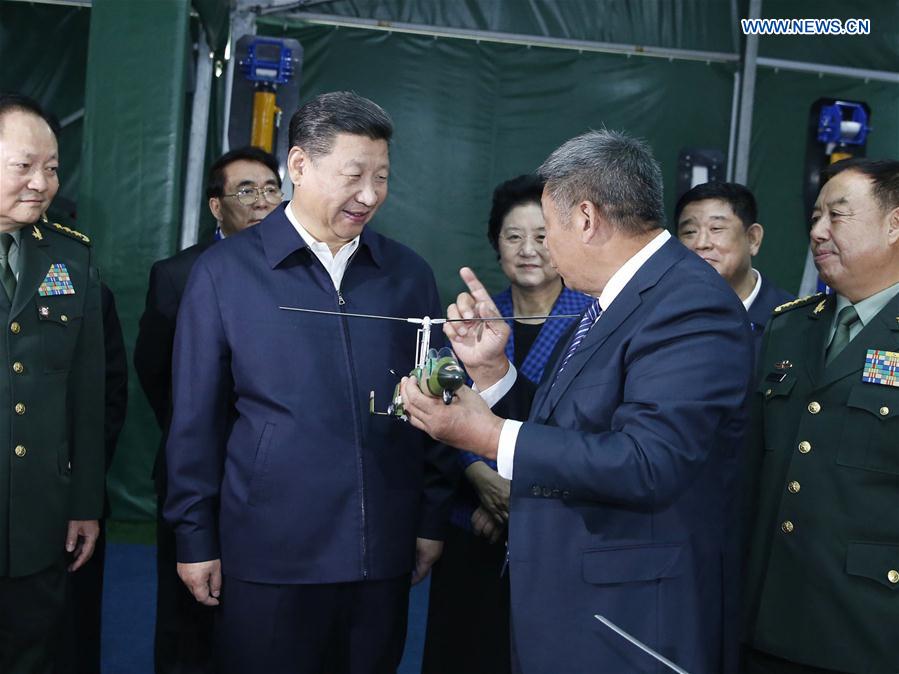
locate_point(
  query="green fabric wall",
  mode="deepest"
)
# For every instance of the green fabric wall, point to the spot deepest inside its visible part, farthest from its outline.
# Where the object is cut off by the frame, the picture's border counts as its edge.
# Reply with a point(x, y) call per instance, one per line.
point(130, 196)
point(469, 115)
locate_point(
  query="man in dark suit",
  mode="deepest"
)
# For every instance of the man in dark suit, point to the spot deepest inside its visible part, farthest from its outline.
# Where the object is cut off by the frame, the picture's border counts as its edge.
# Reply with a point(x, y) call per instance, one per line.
point(624, 477)
point(296, 510)
point(51, 476)
point(719, 222)
point(243, 187)
point(823, 584)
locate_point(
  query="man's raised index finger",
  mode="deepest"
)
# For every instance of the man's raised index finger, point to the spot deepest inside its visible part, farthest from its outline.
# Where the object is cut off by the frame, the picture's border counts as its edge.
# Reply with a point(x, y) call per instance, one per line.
point(475, 287)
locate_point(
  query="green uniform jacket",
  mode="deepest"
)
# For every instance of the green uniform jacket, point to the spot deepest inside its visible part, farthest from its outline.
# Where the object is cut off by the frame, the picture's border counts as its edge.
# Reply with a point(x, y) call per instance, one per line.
point(823, 586)
point(51, 401)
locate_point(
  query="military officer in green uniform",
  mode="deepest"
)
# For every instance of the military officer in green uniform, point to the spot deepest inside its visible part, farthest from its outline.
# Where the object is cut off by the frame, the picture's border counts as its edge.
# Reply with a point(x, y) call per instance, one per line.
point(51, 397)
point(823, 586)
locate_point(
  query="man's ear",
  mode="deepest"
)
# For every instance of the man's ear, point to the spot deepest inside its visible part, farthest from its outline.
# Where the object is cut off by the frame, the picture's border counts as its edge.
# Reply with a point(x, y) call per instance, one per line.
point(589, 221)
point(755, 233)
point(215, 205)
point(893, 226)
point(297, 161)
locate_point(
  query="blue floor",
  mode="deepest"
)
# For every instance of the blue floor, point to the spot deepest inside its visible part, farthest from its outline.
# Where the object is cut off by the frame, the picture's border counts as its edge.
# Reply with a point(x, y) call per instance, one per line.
point(129, 610)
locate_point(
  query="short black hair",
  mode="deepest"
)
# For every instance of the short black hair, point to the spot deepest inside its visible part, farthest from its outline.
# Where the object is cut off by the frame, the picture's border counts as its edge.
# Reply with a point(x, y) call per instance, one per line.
point(315, 125)
point(741, 200)
point(13, 102)
point(215, 186)
point(883, 174)
point(524, 189)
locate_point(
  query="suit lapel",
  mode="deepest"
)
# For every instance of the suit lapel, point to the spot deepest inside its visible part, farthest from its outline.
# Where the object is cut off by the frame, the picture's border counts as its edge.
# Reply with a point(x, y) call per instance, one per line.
point(814, 335)
point(34, 263)
point(627, 301)
point(881, 333)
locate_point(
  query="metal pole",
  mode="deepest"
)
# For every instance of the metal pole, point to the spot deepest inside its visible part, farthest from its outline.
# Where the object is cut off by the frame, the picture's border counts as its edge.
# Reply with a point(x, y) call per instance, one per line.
point(732, 135)
point(196, 153)
point(243, 22)
point(747, 98)
point(512, 38)
point(826, 69)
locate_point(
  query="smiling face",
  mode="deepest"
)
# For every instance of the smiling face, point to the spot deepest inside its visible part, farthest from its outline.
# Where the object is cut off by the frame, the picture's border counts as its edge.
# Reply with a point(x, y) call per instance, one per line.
point(854, 241)
point(712, 230)
point(29, 160)
point(523, 257)
point(336, 194)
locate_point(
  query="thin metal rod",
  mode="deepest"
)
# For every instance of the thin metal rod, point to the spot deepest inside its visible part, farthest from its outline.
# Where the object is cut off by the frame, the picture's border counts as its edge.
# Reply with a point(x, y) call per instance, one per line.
point(347, 313)
point(825, 69)
point(433, 321)
point(639, 644)
point(747, 98)
point(732, 136)
point(512, 38)
point(196, 149)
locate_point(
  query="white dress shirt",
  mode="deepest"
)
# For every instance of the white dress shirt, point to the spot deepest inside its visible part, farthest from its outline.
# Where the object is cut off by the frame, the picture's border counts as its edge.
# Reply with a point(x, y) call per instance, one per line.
point(335, 265)
point(509, 434)
point(755, 290)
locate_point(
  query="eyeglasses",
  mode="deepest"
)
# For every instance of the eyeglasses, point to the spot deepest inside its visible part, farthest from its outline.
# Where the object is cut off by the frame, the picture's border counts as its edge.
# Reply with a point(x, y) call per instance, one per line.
point(249, 195)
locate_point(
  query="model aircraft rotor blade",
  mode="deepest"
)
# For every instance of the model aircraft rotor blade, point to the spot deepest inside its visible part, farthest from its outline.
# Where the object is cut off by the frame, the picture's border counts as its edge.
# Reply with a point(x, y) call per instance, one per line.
point(347, 313)
point(502, 318)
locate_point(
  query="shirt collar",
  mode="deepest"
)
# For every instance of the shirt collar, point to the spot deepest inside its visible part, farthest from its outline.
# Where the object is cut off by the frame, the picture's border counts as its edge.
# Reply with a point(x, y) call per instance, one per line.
point(628, 270)
point(755, 290)
point(368, 238)
point(869, 307)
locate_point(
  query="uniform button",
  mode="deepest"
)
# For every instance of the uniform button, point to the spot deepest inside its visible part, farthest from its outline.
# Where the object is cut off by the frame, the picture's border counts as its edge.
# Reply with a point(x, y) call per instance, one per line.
point(535, 490)
point(893, 576)
point(21, 451)
point(787, 527)
point(18, 368)
point(884, 411)
point(64, 318)
point(794, 487)
point(805, 447)
point(814, 407)
point(14, 328)
point(768, 393)
point(20, 408)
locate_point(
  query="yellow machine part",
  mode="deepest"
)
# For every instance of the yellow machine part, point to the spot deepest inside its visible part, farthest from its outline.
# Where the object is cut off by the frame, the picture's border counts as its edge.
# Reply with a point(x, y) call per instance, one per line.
point(839, 156)
point(265, 111)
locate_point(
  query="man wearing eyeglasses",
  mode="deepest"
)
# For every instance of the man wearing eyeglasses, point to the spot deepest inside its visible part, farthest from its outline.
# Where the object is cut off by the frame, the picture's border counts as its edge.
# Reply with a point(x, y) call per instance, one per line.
point(243, 188)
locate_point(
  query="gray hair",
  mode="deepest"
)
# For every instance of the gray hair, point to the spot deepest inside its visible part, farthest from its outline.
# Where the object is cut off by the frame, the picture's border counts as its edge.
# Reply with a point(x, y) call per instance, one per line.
point(315, 125)
point(614, 171)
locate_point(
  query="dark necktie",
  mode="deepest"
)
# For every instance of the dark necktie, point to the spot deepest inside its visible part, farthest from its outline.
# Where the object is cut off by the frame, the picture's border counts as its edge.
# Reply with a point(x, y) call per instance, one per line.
point(845, 320)
point(587, 321)
point(7, 275)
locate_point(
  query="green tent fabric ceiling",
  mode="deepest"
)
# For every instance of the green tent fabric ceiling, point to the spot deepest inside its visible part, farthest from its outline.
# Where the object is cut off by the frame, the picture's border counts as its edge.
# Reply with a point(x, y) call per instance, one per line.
point(468, 114)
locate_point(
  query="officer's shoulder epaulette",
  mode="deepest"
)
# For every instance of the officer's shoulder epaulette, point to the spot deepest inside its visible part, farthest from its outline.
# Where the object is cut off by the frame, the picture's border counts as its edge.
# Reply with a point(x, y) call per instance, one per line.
point(793, 304)
point(69, 232)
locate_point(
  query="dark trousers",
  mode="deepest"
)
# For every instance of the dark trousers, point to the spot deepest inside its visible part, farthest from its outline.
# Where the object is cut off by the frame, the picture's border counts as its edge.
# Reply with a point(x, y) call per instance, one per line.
point(184, 627)
point(341, 628)
point(31, 619)
point(79, 650)
point(468, 609)
point(759, 662)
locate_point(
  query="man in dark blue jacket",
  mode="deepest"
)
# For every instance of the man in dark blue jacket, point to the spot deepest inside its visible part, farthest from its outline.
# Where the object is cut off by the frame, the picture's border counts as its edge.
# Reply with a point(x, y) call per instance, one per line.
point(719, 222)
point(293, 507)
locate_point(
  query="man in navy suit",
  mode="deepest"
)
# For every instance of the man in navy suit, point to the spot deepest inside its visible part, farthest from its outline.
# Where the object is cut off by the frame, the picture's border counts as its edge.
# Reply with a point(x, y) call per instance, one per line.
point(624, 477)
point(295, 510)
point(719, 222)
point(243, 187)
